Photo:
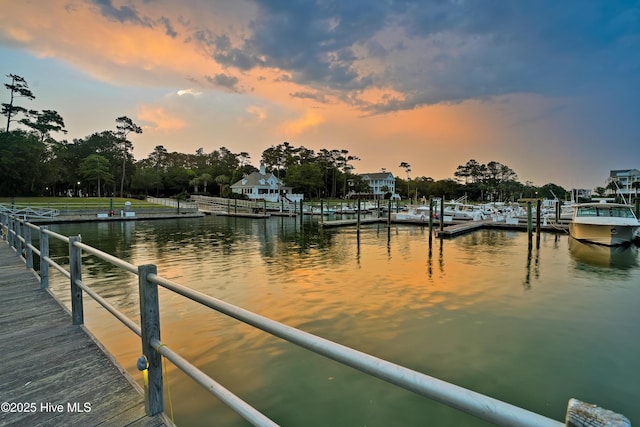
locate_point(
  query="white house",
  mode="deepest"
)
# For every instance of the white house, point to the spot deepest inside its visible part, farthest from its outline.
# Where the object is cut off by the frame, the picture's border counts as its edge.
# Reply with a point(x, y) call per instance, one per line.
point(380, 183)
point(264, 186)
point(626, 180)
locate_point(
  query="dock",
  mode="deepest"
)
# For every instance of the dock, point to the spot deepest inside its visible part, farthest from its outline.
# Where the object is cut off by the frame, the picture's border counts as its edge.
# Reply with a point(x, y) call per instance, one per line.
point(453, 228)
point(255, 215)
point(53, 372)
point(353, 221)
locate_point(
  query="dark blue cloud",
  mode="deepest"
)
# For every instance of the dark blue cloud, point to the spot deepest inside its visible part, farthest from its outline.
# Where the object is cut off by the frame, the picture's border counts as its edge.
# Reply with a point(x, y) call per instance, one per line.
point(225, 81)
point(121, 14)
point(169, 30)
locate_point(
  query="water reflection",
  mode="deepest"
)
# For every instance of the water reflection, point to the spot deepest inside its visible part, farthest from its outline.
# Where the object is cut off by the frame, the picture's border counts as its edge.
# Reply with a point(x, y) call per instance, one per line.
point(616, 259)
point(460, 314)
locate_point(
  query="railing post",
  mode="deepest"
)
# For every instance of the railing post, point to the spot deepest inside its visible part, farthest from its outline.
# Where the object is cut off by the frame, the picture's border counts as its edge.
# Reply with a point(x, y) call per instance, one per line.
point(75, 266)
point(44, 258)
point(150, 327)
point(3, 219)
point(18, 233)
point(27, 246)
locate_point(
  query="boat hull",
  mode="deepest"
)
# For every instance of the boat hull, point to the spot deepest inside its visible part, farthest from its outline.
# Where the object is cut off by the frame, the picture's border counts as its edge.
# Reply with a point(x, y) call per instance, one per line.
point(603, 234)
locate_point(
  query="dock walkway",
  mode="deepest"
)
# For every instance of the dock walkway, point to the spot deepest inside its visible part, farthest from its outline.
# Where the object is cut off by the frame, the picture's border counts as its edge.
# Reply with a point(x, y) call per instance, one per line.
point(52, 372)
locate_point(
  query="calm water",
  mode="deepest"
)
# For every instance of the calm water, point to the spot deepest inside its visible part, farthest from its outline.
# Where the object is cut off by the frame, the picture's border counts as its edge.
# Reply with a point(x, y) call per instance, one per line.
point(530, 327)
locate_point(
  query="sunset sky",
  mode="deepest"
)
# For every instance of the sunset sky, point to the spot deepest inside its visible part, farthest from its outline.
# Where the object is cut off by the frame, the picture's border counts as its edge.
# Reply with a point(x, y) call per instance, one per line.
point(549, 88)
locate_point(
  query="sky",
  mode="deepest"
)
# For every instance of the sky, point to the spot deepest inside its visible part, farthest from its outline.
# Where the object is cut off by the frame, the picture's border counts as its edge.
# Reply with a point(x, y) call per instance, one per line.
point(549, 88)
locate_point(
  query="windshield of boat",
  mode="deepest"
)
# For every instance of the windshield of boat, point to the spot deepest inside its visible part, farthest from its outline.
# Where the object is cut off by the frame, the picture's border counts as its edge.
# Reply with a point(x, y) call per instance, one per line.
point(610, 211)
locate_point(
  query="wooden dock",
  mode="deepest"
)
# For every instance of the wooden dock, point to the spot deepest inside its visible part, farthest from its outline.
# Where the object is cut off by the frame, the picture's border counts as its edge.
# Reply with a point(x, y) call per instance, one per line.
point(346, 222)
point(52, 372)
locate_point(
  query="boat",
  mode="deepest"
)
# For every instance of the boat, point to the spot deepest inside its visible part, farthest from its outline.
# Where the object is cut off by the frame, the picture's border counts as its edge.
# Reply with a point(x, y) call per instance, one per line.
point(603, 223)
point(412, 214)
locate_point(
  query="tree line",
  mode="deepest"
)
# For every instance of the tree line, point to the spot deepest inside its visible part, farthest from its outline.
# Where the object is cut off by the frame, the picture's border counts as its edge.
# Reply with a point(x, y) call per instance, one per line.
point(33, 162)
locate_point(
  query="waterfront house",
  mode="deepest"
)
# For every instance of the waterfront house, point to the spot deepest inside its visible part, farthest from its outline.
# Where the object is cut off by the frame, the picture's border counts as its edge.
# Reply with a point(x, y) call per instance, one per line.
point(380, 184)
point(626, 180)
point(261, 185)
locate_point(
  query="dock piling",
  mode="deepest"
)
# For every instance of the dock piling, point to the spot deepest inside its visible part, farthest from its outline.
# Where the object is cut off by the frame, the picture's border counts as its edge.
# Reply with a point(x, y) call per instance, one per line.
point(75, 267)
point(150, 327)
point(44, 257)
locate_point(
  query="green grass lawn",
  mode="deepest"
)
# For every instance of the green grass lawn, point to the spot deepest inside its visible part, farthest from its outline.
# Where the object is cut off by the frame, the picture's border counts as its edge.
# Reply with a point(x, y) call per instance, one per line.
point(77, 203)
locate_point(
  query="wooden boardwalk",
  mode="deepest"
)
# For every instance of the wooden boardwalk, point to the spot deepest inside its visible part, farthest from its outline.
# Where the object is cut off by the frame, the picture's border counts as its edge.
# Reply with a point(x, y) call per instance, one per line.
point(52, 372)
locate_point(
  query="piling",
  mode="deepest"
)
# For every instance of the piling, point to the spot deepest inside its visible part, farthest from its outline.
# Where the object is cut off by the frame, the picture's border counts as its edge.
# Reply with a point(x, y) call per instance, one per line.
point(358, 217)
point(75, 267)
point(389, 215)
point(529, 221)
point(538, 209)
point(321, 211)
point(301, 213)
point(442, 213)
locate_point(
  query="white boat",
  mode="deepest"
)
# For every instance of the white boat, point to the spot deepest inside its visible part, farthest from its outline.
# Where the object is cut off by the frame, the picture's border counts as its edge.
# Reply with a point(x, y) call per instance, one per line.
point(607, 224)
point(418, 213)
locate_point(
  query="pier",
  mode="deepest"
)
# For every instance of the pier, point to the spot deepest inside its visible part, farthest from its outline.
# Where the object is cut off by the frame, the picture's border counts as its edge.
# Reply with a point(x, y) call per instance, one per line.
point(53, 372)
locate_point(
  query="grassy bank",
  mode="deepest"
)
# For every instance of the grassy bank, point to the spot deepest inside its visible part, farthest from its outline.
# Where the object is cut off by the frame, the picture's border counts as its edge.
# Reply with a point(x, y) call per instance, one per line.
point(76, 203)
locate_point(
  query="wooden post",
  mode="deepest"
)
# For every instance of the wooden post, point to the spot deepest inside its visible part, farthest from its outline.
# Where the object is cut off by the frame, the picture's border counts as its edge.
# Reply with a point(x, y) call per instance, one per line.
point(3, 219)
point(301, 213)
point(529, 220)
point(442, 213)
point(28, 255)
point(10, 228)
point(389, 215)
point(358, 216)
point(321, 211)
point(235, 206)
point(16, 237)
point(75, 265)
point(150, 327)
point(558, 207)
point(44, 258)
point(538, 213)
point(430, 216)
point(580, 414)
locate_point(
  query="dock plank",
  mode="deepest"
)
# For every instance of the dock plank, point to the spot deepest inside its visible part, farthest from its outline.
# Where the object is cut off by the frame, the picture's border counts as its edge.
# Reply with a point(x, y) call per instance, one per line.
point(48, 362)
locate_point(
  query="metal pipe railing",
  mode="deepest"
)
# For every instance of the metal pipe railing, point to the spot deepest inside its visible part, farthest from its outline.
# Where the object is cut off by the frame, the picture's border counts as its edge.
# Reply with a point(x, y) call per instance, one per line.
point(109, 258)
point(247, 411)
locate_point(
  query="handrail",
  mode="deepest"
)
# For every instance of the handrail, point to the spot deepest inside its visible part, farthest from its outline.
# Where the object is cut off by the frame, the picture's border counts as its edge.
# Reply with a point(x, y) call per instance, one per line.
point(476, 404)
point(106, 257)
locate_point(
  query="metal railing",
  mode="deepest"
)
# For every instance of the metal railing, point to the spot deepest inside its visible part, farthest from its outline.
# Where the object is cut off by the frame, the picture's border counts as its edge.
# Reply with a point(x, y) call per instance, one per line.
point(18, 234)
point(30, 211)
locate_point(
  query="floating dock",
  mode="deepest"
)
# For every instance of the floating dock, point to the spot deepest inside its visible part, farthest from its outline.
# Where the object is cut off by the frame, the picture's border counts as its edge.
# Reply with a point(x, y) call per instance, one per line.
point(453, 228)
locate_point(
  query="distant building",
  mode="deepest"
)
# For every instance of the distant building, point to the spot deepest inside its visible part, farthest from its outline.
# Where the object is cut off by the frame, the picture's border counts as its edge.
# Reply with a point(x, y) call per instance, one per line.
point(264, 186)
point(581, 194)
point(626, 181)
point(380, 184)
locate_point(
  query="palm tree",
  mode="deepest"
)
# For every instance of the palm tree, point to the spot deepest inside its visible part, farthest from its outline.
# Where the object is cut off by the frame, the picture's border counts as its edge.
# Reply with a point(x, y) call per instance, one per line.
point(407, 168)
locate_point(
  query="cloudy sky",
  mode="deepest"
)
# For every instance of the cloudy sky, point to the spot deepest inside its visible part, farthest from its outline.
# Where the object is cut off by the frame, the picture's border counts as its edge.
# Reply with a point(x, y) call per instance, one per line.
point(549, 88)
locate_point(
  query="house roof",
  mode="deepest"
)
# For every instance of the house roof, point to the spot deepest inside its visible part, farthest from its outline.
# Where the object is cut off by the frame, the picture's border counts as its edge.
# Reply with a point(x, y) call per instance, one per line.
point(623, 172)
point(377, 175)
point(256, 179)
